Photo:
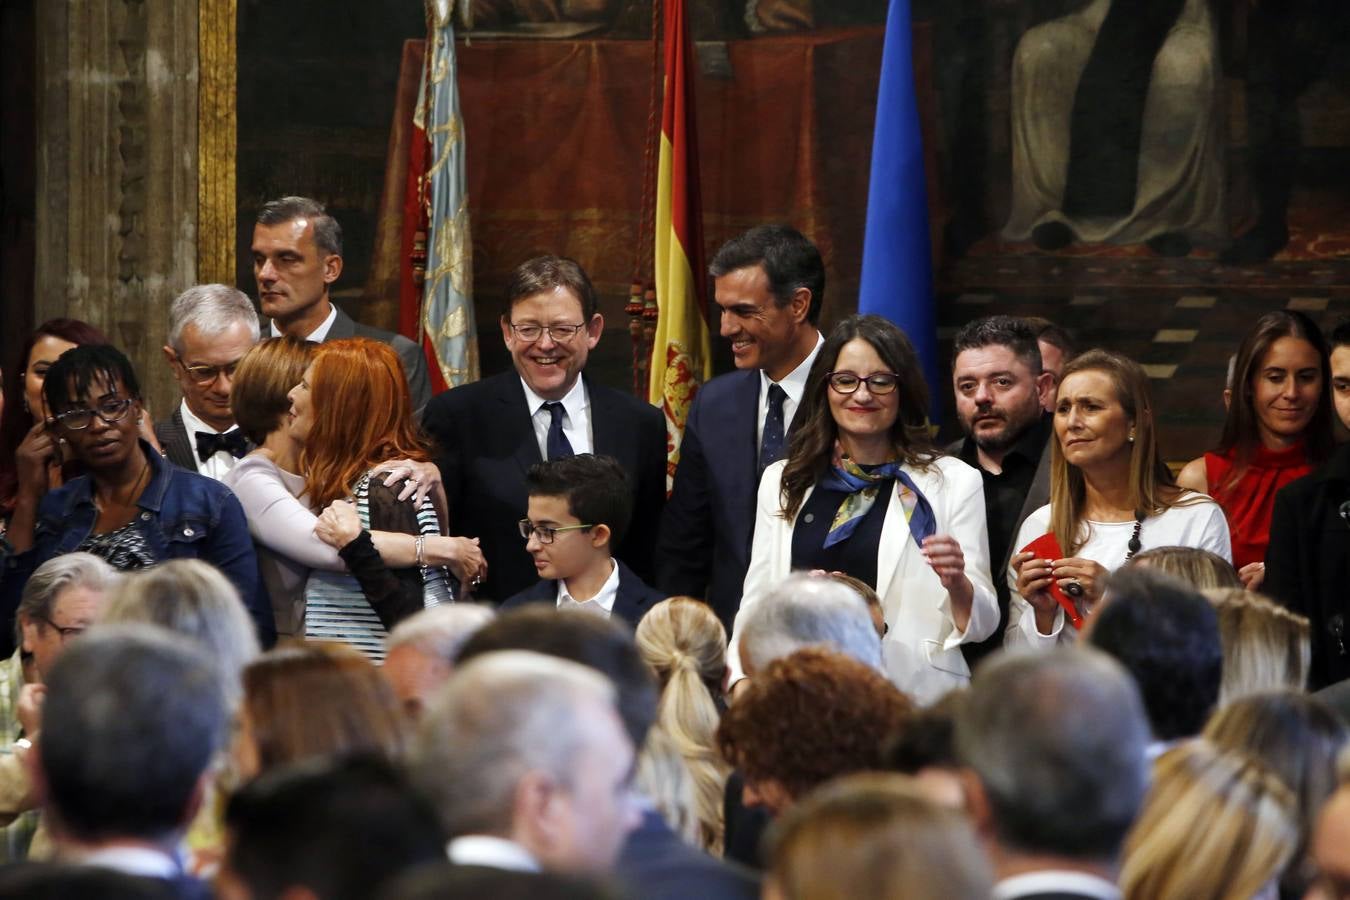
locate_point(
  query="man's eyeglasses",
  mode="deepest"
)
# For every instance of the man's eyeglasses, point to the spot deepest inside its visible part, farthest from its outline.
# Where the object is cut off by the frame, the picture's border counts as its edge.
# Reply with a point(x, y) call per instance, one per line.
point(530, 332)
point(204, 375)
point(110, 411)
point(879, 383)
point(66, 632)
point(545, 533)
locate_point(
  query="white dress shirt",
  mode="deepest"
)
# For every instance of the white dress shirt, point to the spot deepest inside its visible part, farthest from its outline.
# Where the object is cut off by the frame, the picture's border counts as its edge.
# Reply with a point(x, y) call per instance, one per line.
point(602, 604)
point(140, 861)
point(493, 852)
point(218, 463)
point(794, 385)
point(576, 424)
point(318, 335)
point(1056, 881)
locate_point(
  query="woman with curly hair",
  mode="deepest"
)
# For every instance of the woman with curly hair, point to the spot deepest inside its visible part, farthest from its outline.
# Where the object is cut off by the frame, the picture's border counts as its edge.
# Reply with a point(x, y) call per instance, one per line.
point(684, 644)
point(807, 718)
point(863, 491)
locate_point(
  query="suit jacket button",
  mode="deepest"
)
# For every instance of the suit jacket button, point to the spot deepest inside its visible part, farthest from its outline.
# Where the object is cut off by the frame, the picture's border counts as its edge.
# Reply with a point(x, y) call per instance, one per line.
point(809, 518)
point(188, 532)
point(145, 517)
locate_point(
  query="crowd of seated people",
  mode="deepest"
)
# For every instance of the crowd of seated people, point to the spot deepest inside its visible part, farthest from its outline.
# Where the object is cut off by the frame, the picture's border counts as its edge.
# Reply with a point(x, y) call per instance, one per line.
point(318, 634)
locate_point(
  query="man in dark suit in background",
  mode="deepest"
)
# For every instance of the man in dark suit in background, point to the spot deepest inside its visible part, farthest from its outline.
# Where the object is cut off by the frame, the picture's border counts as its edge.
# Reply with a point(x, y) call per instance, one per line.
point(1055, 770)
point(489, 433)
point(211, 327)
point(297, 255)
point(769, 284)
point(1001, 389)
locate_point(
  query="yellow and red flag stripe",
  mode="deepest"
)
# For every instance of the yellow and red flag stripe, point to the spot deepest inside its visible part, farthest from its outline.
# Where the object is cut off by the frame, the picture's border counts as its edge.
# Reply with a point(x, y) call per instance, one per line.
point(681, 352)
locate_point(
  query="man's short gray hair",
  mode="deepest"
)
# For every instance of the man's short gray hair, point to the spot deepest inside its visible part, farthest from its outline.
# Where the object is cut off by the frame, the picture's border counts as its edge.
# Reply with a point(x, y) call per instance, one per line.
point(440, 631)
point(212, 309)
point(38, 601)
point(1058, 741)
point(806, 611)
point(327, 231)
point(499, 717)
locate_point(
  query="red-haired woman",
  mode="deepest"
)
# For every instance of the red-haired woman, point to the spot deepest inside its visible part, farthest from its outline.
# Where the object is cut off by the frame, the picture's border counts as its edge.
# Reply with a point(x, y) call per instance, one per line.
point(351, 412)
point(1278, 429)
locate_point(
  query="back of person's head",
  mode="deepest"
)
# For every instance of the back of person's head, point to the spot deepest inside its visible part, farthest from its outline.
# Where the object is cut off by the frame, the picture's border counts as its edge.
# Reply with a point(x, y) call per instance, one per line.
point(875, 836)
point(1199, 568)
point(788, 258)
point(73, 881)
point(212, 309)
point(1265, 646)
point(809, 717)
point(808, 611)
point(1216, 824)
point(1056, 742)
point(870, 597)
point(1297, 736)
point(683, 642)
point(133, 716)
point(1166, 634)
point(595, 488)
point(191, 598)
point(259, 397)
point(335, 828)
point(451, 882)
point(601, 644)
point(929, 738)
point(529, 747)
point(314, 699)
point(421, 650)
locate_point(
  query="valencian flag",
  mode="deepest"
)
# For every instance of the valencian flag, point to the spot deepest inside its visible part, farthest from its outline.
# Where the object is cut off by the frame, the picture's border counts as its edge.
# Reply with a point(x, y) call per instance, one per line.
point(436, 185)
point(681, 351)
point(897, 268)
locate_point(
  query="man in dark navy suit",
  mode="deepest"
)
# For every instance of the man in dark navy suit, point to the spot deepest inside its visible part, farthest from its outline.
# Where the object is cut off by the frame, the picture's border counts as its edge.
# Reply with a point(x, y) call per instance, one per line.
point(769, 284)
point(579, 509)
point(132, 721)
point(489, 433)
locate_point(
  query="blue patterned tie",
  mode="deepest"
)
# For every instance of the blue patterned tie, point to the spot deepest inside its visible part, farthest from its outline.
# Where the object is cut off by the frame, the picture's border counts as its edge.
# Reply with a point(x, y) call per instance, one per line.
point(559, 447)
point(771, 444)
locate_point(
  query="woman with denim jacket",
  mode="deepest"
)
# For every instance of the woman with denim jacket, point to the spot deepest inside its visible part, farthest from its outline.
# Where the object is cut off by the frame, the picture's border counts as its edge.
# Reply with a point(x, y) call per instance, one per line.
point(133, 508)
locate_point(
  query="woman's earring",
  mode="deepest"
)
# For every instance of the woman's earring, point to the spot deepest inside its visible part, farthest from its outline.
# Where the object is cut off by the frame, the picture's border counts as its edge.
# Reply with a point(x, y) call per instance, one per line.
point(1131, 435)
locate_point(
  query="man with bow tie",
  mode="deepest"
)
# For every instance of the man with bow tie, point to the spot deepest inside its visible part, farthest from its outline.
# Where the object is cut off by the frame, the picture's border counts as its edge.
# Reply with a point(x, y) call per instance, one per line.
point(211, 326)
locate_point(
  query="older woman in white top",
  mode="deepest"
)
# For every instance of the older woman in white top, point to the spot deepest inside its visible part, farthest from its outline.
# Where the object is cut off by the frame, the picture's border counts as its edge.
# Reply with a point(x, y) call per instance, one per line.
point(1111, 496)
point(864, 492)
point(271, 490)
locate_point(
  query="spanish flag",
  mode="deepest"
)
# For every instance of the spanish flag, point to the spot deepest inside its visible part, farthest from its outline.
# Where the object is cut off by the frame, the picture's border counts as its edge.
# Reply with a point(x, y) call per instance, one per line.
point(681, 352)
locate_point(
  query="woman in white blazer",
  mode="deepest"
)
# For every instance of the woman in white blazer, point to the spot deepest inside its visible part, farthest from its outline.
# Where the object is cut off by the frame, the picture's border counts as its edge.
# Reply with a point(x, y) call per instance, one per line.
point(863, 491)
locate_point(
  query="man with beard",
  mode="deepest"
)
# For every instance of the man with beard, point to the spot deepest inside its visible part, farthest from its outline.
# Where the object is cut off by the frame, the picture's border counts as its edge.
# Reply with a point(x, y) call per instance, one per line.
point(1001, 394)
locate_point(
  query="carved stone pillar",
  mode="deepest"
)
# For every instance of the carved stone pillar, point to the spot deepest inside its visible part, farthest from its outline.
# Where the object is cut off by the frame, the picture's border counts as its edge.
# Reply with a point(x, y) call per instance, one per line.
point(117, 191)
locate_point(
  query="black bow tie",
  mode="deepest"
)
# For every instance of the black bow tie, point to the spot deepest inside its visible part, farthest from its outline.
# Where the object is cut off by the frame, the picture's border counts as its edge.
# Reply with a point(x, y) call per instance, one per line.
point(232, 442)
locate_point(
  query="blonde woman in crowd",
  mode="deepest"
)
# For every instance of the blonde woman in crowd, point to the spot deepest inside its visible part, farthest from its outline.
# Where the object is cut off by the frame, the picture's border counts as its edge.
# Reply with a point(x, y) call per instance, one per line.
point(1199, 568)
point(1300, 739)
point(683, 642)
point(1216, 825)
point(875, 836)
point(1265, 646)
point(193, 599)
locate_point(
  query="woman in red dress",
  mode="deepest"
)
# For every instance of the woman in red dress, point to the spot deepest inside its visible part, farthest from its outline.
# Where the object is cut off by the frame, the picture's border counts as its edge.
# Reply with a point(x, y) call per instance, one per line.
point(1278, 428)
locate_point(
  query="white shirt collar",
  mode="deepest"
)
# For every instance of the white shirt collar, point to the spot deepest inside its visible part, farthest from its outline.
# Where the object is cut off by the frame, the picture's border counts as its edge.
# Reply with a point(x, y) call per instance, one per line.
point(193, 424)
point(794, 382)
point(604, 600)
point(1055, 881)
point(142, 861)
point(320, 334)
point(490, 851)
point(574, 401)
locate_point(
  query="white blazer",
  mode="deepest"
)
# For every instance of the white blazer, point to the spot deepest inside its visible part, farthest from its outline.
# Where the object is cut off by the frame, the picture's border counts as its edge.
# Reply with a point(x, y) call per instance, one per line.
point(922, 649)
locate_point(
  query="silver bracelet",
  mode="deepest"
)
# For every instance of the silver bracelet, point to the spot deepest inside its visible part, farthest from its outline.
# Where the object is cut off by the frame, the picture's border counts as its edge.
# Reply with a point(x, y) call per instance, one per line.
point(421, 545)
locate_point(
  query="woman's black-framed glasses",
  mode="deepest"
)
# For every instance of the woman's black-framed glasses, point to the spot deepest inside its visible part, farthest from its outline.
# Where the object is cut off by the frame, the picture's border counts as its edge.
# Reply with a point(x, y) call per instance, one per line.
point(546, 533)
point(878, 383)
point(110, 411)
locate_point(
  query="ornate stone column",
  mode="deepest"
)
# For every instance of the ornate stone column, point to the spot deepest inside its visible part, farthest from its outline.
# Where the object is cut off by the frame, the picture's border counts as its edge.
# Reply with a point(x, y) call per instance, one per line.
point(117, 190)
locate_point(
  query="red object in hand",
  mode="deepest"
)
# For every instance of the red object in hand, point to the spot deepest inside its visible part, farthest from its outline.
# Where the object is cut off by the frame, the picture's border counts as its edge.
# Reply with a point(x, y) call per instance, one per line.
point(1046, 547)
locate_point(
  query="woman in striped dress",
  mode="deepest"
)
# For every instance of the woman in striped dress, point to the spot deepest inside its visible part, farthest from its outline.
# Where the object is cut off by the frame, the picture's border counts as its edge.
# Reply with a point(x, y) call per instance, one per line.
point(351, 413)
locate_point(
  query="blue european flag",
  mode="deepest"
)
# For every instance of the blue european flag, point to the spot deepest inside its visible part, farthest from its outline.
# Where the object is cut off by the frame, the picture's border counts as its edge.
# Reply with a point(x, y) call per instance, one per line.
point(897, 266)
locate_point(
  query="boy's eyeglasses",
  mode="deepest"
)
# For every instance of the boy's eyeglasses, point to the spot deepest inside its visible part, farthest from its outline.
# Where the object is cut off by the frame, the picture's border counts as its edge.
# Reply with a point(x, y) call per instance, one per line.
point(545, 533)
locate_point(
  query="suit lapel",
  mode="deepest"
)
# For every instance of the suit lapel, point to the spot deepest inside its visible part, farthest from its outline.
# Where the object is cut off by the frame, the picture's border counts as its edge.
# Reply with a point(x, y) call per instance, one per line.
point(181, 450)
point(1037, 496)
point(605, 424)
point(629, 603)
point(516, 422)
point(744, 423)
point(343, 326)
